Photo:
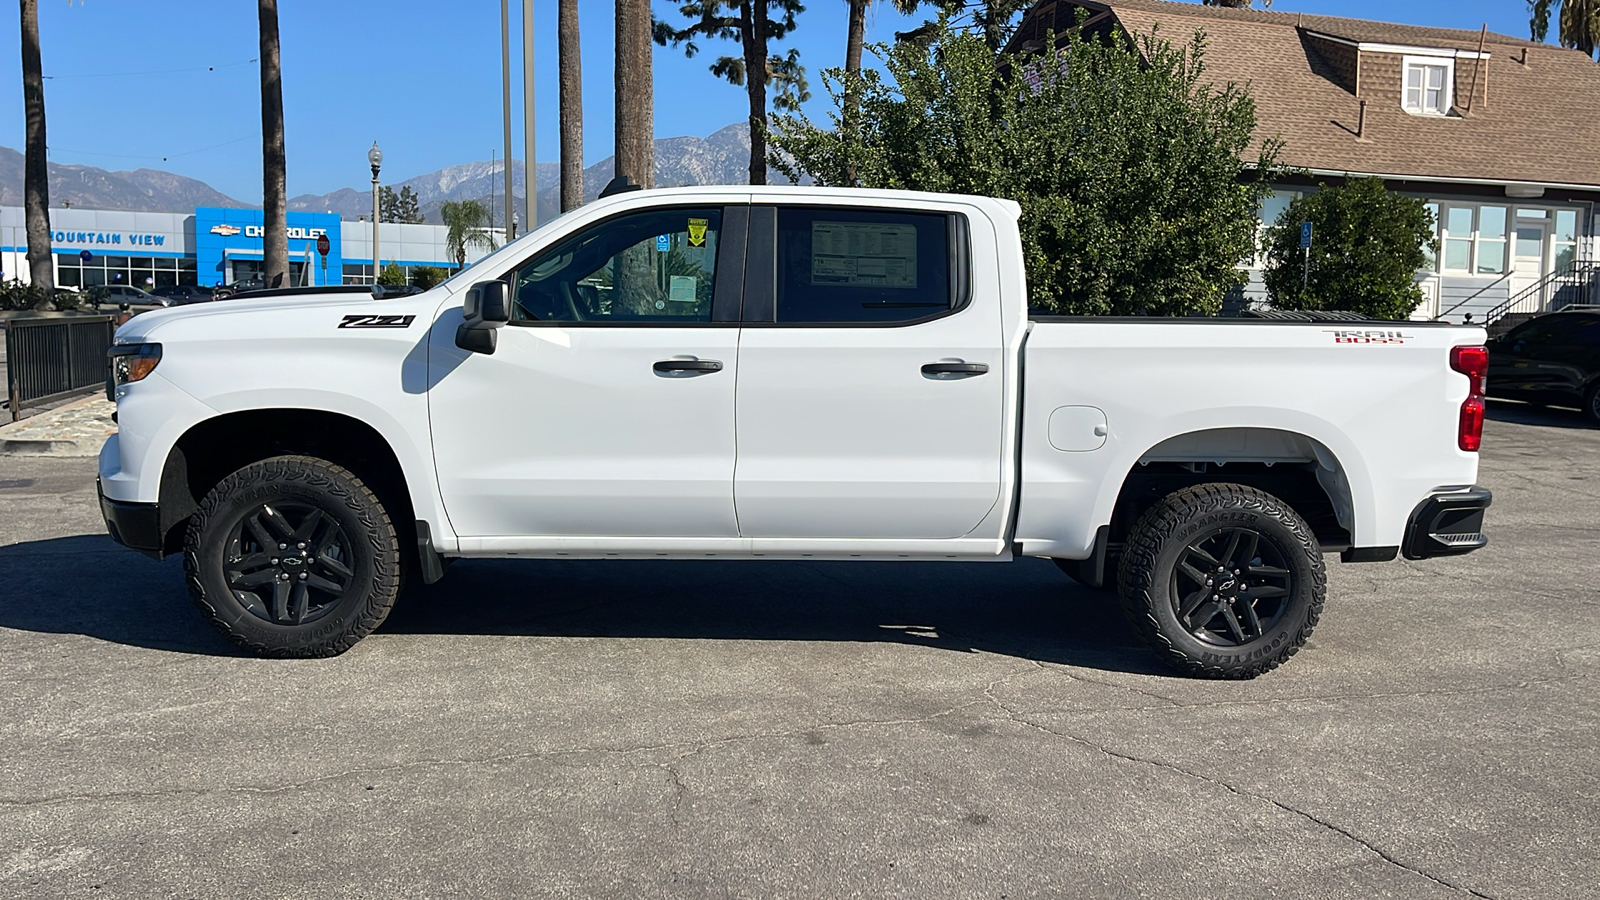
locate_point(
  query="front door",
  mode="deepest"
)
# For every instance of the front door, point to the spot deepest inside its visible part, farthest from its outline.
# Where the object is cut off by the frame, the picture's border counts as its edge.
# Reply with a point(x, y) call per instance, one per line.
point(870, 389)
point(1529, 251)
point(607, 408)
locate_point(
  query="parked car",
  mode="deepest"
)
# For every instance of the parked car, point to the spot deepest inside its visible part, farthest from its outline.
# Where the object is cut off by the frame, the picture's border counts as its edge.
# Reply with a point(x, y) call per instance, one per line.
point(182, 294)
point(118, 294)
point(821, 374)
point(1550, 360)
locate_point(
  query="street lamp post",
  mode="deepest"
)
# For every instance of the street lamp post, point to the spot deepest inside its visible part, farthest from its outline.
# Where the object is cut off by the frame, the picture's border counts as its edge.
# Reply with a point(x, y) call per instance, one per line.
point(375, 157)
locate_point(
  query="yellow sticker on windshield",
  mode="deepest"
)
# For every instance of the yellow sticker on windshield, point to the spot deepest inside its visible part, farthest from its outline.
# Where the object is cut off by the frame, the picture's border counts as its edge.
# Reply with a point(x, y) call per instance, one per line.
point(697, 232)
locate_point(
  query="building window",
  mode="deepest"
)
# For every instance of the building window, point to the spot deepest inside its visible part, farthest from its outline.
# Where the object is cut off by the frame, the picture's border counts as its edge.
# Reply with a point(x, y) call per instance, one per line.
point(1474, 239)
point(1428, 83)
point(1272, 206)
point(1491, 240)
point(1564, 240)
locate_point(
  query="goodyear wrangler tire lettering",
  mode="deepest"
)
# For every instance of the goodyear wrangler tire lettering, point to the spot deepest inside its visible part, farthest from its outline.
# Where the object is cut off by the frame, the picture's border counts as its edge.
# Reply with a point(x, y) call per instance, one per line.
point(292, 557)
point(1222, 580)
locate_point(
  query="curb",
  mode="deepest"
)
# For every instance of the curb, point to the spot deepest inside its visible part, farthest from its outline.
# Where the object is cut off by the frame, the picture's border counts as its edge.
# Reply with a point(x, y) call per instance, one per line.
point(42, 445)
point(24, 447)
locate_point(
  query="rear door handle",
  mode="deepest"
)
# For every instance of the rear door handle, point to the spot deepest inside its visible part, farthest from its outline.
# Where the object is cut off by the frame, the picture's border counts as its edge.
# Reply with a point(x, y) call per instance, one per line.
point(949, 370)
point(686, 368)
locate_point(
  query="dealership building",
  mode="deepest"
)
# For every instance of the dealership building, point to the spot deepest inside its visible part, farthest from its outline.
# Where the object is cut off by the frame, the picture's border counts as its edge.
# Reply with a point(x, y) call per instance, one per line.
point(212, 246)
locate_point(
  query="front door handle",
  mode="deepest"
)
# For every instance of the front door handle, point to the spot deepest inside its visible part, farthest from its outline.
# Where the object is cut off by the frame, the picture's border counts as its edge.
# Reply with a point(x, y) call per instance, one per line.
point(686, 368)
point(947, 370)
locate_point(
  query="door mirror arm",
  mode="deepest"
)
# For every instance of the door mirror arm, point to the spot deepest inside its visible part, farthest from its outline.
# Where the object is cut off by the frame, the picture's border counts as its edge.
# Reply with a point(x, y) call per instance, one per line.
point(486, 308)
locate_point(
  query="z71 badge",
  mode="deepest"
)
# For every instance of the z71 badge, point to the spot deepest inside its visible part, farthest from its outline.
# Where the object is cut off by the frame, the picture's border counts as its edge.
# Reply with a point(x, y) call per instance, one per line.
point(376, 322)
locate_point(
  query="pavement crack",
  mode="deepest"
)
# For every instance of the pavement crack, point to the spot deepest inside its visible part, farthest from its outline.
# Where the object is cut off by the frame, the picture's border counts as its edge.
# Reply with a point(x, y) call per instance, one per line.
point(681, 750)
point(1365, 844)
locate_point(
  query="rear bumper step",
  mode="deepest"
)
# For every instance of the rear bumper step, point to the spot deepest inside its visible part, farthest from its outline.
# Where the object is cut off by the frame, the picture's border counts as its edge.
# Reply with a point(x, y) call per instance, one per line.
point(1447, 524)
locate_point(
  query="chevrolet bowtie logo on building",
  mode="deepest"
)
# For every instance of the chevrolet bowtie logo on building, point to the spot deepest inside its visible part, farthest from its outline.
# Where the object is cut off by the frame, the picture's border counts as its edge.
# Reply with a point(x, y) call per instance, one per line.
point(226, 230)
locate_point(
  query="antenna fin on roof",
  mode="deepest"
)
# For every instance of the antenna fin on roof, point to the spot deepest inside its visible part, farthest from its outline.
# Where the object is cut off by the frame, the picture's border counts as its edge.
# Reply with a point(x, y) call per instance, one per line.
point(621, 184)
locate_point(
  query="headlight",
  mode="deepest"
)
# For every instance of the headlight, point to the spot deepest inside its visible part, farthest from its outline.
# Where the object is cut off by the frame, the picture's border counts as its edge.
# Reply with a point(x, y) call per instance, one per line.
point(130, 363)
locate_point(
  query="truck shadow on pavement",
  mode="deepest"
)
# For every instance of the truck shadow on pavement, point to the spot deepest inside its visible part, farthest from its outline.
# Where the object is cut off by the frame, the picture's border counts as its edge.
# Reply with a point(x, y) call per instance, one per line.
point(85, 584)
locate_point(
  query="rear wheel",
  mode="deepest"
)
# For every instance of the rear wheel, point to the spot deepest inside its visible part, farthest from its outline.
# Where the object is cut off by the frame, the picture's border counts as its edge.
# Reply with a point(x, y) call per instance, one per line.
point(1591, 405)
point(293, 557)
point(1223, 580)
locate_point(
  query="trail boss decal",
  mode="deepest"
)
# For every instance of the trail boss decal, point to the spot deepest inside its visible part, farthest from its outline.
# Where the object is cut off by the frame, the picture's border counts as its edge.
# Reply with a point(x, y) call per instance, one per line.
point(1366, 336)
point(376, 322)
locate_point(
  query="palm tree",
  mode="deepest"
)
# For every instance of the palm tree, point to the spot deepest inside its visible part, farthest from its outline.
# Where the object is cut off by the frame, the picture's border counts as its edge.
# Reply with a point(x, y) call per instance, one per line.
point(855, 39)
point(1579, 22)
point(635, 125)
point(36, 166)
point(274, 193)
point(466, 225)
point(571, 80)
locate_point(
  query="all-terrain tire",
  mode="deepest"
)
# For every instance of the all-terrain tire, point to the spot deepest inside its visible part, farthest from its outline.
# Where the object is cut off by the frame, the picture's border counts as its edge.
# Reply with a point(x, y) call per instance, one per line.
point(1280, 585)
point(242, 542)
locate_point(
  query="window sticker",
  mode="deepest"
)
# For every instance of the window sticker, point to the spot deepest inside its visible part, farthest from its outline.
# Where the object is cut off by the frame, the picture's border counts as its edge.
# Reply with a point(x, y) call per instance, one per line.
point(862, 254)
point(683, 289)
point(697, 232)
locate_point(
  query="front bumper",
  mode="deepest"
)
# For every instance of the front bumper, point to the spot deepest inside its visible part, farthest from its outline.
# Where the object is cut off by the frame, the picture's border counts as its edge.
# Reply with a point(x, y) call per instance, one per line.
point(136, 526)
point(1447, 524)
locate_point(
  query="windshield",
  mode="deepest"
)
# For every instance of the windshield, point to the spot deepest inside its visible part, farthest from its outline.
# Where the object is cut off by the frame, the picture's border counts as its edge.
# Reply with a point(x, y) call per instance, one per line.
point(473, 269)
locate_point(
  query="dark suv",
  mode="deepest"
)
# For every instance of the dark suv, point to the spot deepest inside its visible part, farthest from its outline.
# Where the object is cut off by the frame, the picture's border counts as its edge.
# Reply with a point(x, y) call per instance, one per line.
point(1552, 360)
point(181, 294)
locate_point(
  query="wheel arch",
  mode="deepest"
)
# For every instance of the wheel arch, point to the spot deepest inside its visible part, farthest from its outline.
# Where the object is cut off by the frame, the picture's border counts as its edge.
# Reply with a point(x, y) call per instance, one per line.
point(1303, 471)
point(213, 448)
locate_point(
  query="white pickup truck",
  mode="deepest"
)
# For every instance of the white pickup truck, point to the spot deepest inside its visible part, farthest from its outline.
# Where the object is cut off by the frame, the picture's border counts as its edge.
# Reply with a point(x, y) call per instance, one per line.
point(782, 373)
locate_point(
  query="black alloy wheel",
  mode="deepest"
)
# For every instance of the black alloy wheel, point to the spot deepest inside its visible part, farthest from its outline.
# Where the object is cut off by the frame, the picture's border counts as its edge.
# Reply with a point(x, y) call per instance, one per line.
point(286, 562)
point(1222, 580)
point(1230, 587)
point(293, 556)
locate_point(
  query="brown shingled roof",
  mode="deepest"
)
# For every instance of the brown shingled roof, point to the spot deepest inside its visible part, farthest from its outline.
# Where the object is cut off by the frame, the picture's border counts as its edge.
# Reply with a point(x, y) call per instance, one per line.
point(1537, 121)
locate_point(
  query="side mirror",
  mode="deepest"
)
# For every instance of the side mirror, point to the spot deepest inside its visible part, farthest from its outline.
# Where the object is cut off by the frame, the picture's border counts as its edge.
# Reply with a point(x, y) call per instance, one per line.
point(487, 307)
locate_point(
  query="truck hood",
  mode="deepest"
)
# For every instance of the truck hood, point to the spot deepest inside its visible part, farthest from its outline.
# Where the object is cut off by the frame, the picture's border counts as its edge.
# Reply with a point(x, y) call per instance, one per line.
point(311, 314)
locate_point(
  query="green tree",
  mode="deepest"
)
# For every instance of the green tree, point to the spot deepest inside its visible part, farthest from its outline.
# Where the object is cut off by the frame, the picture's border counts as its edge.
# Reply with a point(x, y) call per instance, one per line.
point(1128, 164)
point(426, 277)
point(466, 226)
point(1366, 247)
point(393, 275)
point(403, 207)
point(752, 24)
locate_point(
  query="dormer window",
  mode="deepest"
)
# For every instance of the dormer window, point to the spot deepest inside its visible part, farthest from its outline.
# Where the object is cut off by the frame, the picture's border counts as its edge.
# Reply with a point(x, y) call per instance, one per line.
point(1428, 82)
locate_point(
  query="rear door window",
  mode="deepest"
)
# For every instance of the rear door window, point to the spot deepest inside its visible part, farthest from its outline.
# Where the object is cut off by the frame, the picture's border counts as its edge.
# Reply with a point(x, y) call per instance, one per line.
point(843, 265)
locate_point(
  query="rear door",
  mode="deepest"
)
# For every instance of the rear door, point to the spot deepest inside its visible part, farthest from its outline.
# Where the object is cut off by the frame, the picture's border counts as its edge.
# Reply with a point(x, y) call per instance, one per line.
point(871, 382)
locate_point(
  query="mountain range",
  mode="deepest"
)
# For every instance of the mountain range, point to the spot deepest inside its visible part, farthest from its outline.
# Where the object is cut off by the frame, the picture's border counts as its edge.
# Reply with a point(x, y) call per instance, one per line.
point(146, 190)
point(720, 158)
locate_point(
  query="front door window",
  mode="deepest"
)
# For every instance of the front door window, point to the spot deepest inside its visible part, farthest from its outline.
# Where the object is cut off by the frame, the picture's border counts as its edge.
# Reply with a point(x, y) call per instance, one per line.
point(657, 267)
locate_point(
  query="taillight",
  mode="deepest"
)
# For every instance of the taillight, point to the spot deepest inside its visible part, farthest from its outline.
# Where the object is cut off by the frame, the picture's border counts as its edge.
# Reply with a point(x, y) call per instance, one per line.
point(1472, 362)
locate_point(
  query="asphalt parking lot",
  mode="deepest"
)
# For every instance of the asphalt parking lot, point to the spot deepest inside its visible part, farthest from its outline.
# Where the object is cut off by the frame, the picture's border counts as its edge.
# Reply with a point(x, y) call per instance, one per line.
point(660, 729)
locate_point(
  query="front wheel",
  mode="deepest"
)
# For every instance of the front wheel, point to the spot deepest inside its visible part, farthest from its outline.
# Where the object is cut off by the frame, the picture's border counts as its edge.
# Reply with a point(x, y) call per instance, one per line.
point(293, 557)
point(1223, 580)
point(1591, 405)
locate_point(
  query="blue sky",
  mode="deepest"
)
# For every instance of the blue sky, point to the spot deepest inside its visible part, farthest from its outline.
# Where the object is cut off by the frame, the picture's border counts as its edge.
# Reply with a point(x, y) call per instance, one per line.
point(167, 84)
